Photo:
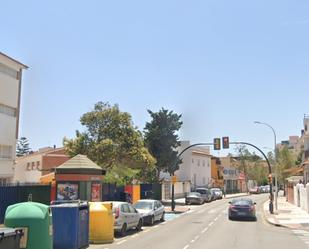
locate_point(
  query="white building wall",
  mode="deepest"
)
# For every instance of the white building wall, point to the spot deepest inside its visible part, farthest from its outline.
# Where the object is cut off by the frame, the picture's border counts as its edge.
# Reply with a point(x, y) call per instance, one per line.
point(195, 167)
point(28, 169)
point(9, 100)
point(9, 90)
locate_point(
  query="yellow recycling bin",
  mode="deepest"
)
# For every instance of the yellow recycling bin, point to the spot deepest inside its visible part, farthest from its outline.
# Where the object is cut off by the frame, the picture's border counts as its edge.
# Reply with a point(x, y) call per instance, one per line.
point(101, 222)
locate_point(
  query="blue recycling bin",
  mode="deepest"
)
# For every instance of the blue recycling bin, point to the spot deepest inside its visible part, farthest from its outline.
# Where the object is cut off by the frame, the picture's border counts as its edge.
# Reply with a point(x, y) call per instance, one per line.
point(70, 225)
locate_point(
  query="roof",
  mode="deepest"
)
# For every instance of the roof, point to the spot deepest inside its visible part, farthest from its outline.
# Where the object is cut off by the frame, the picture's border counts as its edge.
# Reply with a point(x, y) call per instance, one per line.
point(41, 152)
point(79, 162)
point(10, 58)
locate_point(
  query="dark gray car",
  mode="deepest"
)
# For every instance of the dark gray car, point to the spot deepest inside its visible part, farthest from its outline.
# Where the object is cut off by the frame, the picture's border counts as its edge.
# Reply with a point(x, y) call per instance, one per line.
point(206, 194)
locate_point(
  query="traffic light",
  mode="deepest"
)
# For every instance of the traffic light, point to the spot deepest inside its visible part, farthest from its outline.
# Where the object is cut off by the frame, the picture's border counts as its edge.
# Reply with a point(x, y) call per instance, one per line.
point(217, 143)
point(270, 178)
point(225, 143)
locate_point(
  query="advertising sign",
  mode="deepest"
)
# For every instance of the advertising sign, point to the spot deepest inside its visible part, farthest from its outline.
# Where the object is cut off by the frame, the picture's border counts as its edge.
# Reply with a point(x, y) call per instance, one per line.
point(96, 192)
point(67, 191)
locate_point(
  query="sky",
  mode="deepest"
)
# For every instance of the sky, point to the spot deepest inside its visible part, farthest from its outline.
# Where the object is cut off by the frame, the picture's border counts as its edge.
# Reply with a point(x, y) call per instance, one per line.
point(222, 64)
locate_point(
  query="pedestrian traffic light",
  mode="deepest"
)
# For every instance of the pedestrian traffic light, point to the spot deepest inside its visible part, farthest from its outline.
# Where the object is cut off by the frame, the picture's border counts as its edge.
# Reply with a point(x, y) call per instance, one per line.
point(225, 143)
point(217, 143)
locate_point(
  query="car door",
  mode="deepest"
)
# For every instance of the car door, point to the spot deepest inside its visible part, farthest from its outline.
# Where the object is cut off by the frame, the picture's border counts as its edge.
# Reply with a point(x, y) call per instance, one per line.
point(159, 210)
point(134, 216)
point(126, 214)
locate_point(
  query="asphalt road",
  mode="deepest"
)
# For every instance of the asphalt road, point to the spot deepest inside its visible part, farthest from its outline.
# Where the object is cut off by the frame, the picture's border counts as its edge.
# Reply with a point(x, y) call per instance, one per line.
point(207, 227)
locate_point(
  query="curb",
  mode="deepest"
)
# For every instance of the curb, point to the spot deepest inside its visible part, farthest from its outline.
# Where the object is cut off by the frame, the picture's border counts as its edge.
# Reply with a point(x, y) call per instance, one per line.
point(276, 224)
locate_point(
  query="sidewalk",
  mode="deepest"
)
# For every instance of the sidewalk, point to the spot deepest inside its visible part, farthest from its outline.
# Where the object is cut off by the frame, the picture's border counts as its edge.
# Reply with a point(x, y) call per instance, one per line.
point(288, 215)
point(181, 206)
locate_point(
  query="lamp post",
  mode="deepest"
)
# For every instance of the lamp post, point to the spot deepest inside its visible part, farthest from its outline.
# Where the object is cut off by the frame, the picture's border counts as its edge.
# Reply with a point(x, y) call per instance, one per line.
point(275, 155)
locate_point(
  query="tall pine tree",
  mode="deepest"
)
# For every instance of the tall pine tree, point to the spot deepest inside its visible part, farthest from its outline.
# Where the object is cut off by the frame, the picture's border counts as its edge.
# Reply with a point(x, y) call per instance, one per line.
point(22, 148)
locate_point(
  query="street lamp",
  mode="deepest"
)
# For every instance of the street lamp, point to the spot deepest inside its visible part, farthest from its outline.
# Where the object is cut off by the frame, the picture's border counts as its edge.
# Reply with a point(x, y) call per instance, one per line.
point(275, 154)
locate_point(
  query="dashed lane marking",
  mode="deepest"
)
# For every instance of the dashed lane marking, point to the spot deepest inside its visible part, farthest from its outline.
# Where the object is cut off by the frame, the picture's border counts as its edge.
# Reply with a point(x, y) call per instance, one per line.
point(186, 247)
point(121, 242)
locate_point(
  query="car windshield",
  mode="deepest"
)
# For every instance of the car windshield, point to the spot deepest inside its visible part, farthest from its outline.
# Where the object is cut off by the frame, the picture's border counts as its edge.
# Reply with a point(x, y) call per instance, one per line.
point(143, 205)
point(242, 202)
point(194, 194)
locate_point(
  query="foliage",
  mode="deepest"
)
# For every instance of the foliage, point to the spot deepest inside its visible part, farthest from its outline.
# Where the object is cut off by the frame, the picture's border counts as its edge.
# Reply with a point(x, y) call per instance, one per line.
point(161, 139)
point(285, 160)
point(22, 148)
point(252, 165)
point(111, 140)
point(121, 175)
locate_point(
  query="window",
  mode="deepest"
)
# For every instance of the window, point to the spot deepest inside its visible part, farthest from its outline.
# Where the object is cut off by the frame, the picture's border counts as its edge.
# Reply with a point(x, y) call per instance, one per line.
point(33, 166)
point(38, 165)
point(132, 210)
point(6, 152)
point(125, 208)
point(7, 110)
point(9, 71)
point(192, 160)
point(198, 163)
point(203, 163)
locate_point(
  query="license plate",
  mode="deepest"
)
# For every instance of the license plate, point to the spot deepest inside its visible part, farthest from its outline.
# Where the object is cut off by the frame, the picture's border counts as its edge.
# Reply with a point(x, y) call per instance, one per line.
point(241, 213)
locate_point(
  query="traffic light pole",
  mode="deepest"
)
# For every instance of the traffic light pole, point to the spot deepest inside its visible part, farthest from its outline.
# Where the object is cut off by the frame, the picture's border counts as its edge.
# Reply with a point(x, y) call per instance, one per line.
point(271, 198)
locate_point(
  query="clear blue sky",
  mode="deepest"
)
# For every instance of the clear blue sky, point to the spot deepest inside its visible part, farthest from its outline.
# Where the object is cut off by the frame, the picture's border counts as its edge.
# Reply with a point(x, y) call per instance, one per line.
point(223, 64)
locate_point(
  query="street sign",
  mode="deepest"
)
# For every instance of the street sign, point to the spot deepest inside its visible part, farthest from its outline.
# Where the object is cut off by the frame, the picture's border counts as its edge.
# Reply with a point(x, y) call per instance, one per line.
point(174, 179)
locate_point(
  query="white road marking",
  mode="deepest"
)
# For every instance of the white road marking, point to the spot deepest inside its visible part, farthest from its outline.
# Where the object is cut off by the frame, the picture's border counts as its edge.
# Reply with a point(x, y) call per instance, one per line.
point(205, 230)
point(155, 227)
point(210, 224)
point(121, 242)
point(146, 231)
point(216, 218)
point(135, 235)
point(211, 211)
point(196, 237)
point(186, 247)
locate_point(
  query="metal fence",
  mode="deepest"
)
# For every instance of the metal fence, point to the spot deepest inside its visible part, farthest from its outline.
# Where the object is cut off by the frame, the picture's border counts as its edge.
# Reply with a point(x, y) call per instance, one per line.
point(12, 194)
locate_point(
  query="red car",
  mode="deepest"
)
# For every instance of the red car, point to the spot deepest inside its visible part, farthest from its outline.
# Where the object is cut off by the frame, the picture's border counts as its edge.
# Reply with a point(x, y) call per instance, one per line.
point(254, 190)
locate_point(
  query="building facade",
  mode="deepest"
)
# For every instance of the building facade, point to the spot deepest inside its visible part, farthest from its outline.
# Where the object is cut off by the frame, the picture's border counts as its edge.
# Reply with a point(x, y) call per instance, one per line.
point(30, 168)
point(10, 94)
point(195, 166)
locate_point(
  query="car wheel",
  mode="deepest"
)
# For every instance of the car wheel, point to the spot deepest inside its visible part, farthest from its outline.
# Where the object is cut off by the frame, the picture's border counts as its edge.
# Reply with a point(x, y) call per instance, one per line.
point(162, 217)
point(139, 225)
point(152, 220)
point(123, 231)
point(187, 203)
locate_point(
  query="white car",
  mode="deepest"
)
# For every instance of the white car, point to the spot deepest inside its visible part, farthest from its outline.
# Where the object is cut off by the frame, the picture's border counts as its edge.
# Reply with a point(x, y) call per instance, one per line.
point(126, 217)
point(151, 210)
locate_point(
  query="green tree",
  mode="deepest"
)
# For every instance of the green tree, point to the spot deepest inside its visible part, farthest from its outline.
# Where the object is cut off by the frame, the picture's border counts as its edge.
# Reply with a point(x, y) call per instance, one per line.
point(285, 160)
point(22, 147)
point(110, 139)
point(161, 139)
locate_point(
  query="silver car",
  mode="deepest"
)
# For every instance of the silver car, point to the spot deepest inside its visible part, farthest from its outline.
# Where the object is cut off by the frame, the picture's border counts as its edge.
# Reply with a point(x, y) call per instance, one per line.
point(126, 217)
point(151, 210)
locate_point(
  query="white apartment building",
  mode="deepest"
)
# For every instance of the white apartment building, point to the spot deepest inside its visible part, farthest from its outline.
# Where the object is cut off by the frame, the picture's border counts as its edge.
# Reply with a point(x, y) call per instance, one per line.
point(196, 165)
point(10, 91)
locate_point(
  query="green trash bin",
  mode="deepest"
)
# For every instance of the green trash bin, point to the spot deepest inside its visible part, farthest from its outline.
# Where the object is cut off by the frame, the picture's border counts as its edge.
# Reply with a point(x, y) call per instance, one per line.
point(35, 221)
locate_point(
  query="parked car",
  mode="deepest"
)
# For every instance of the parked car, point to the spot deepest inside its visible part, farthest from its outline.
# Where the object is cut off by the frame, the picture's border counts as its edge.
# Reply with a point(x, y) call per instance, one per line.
point(217, 193)
point(242, 208)
point(151, 210)
point(126, 217)
point(206, 194)
point(194, 198)
point(254, 190)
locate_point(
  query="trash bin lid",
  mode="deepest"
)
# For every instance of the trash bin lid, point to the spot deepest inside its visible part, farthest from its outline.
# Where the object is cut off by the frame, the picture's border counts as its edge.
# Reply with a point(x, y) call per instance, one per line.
point(69, 205)
point(6, 232)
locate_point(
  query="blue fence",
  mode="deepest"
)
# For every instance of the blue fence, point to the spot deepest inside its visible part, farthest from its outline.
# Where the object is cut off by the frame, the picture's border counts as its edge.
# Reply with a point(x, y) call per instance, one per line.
point(20, 193)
